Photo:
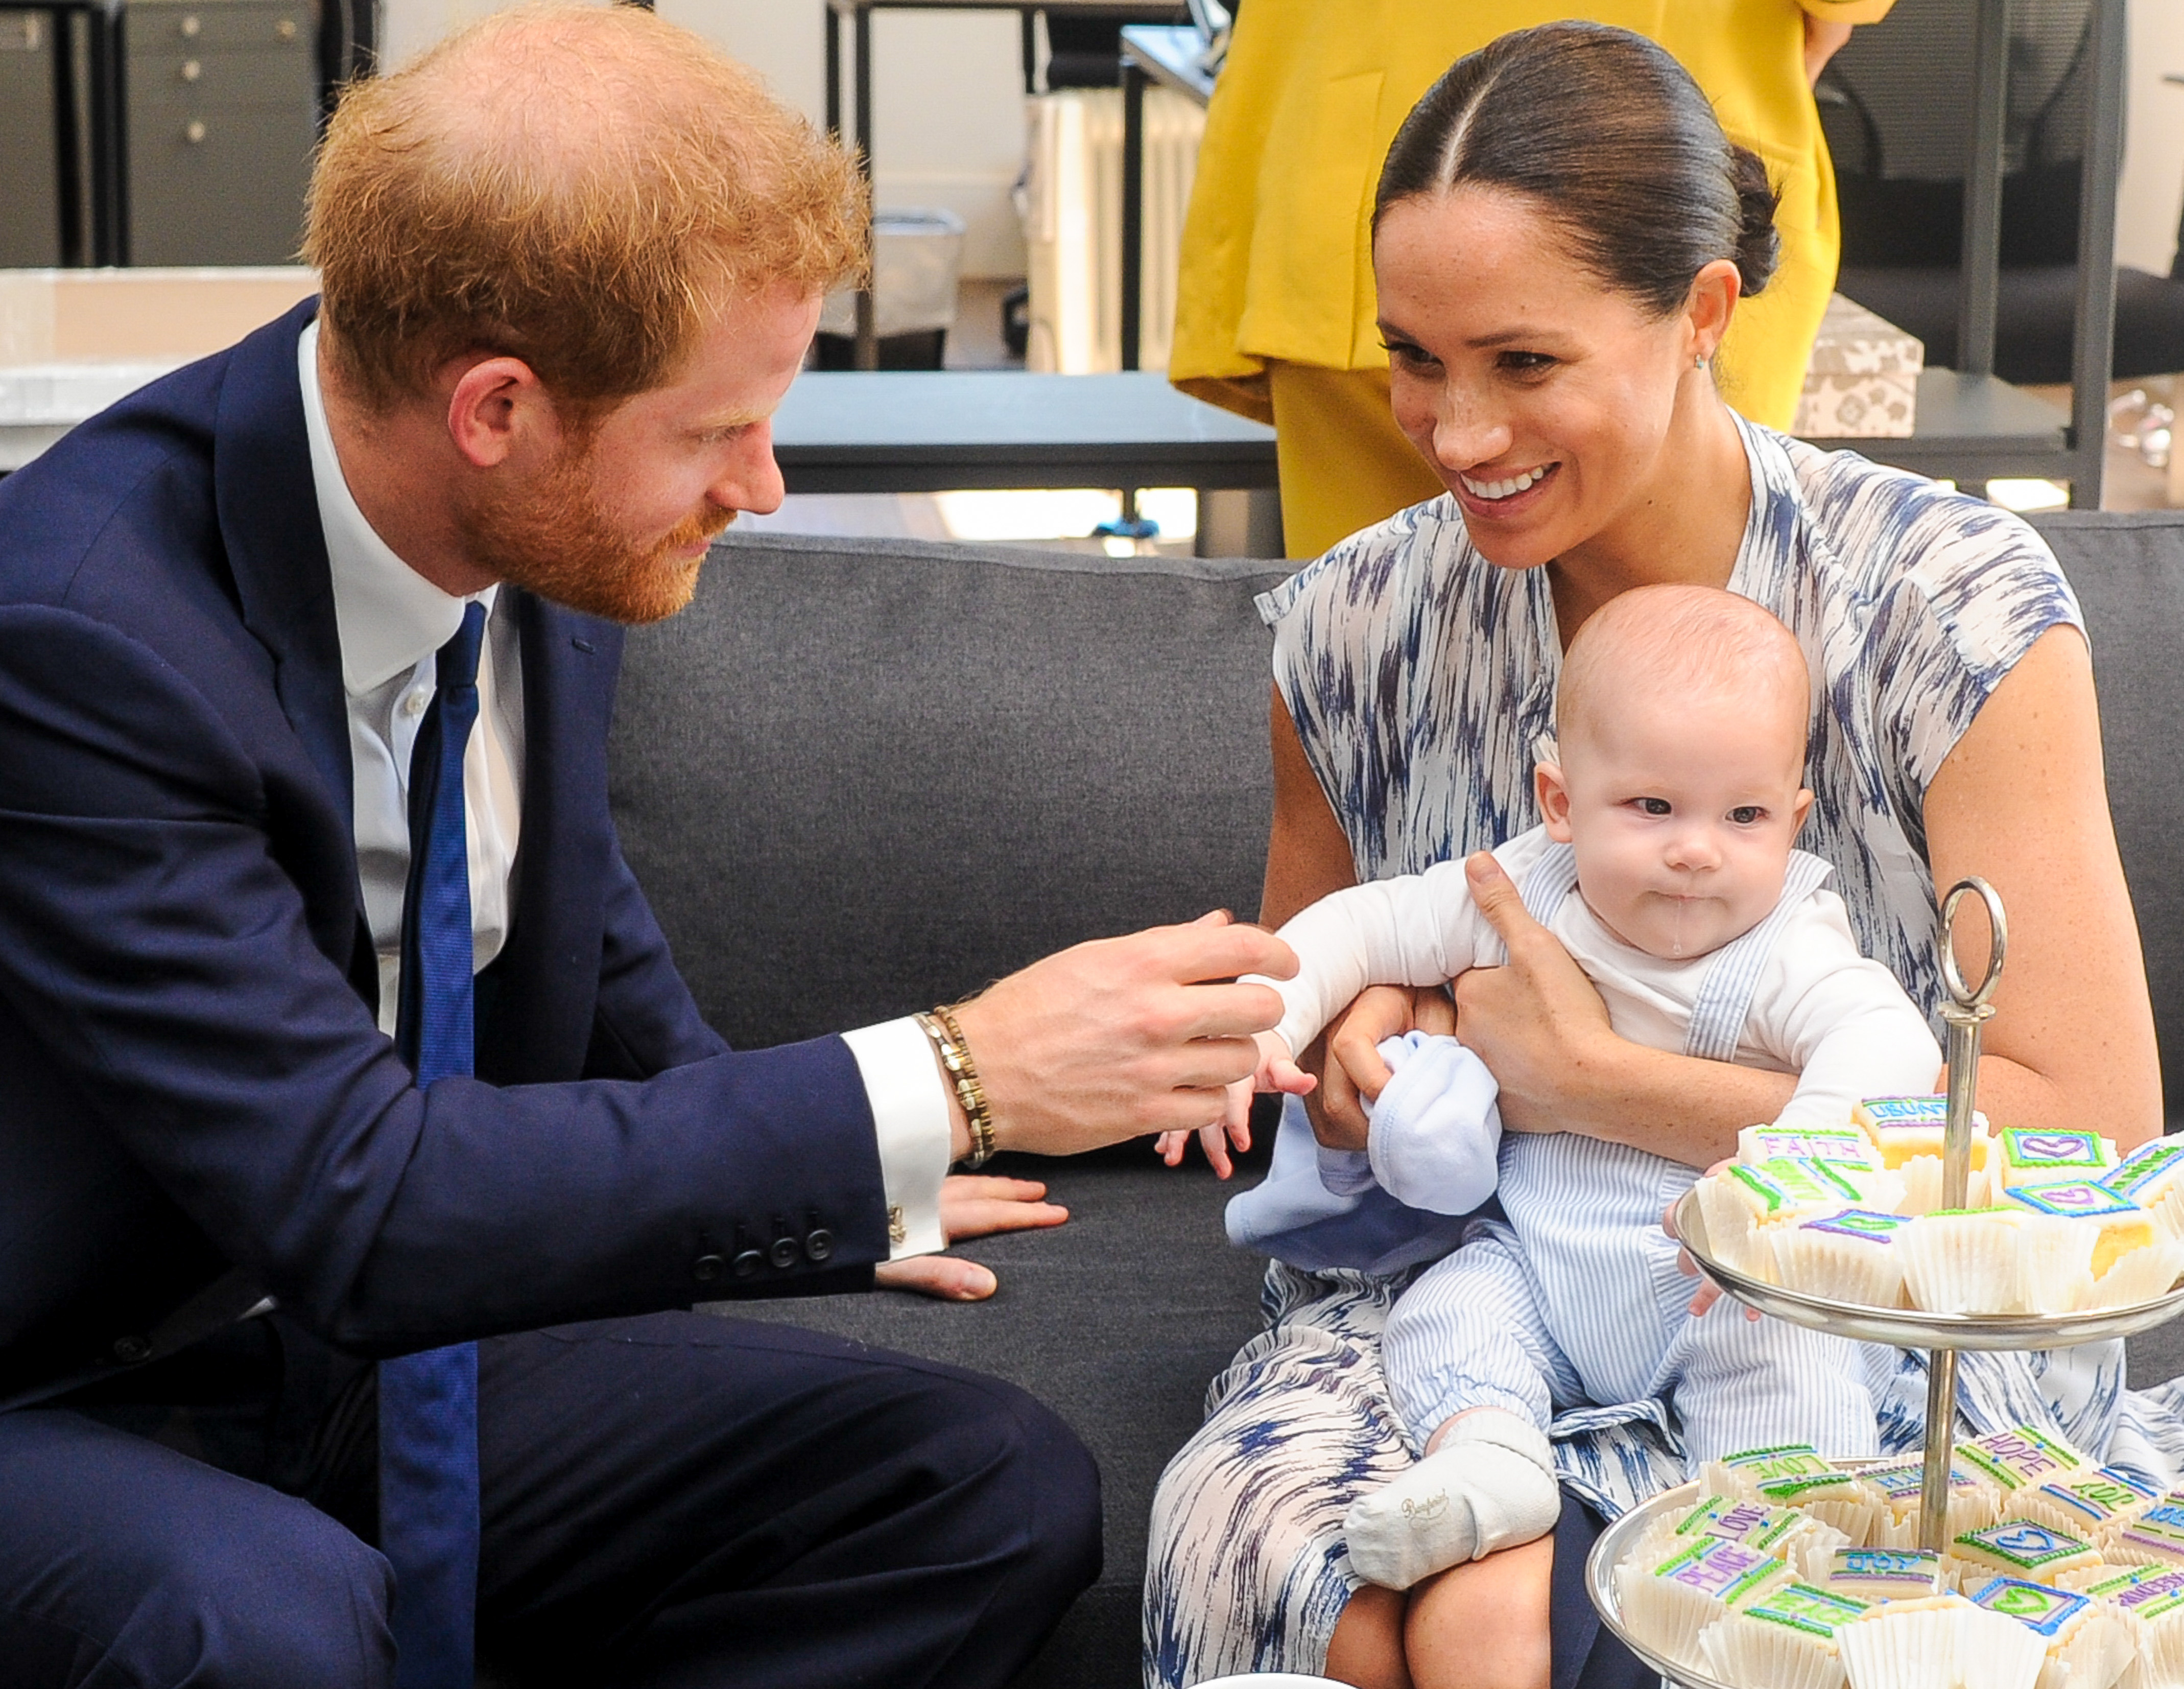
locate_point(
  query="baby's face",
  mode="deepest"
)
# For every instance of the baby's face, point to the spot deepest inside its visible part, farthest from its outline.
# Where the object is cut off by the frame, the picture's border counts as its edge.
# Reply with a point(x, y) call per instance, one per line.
point(1683, 812)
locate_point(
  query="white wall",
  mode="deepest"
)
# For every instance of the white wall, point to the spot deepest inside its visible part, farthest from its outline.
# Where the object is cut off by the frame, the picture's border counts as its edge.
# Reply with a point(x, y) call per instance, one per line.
point(947, 96)
point(2152, 192)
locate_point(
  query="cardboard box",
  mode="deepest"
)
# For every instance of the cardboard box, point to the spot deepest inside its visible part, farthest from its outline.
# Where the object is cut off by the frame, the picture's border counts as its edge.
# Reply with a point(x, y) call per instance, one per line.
point(1863, 381)
point(133, 316)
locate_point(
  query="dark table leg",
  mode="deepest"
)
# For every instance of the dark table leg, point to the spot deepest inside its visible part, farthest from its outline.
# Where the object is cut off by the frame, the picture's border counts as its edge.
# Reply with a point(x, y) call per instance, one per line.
point(2093, 352)
point(1978, 273)
point(834, 73)
point(68, 138)
point(109, 173)
point(1133, 207)
point(868, 341)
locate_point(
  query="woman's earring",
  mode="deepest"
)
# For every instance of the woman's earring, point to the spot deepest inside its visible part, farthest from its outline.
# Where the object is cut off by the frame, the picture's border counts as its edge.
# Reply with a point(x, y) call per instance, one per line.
point(1699, 362)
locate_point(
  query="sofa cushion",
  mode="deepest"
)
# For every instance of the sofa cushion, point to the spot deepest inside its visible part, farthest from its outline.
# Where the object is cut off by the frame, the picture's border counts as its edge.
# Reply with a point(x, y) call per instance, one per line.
point(856, 777)
point(2128, 570)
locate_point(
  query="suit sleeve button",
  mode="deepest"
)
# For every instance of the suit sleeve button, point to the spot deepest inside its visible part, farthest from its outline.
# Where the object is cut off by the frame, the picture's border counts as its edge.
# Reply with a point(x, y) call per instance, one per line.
point(129, 1351)
point(708, 1268)
point(785, 1252)
point(748, 1264)
point(818, 1243)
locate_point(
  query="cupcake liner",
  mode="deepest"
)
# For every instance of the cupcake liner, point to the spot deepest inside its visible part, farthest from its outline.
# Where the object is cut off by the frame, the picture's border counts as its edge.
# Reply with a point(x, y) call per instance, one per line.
point(1905, 1645)
point(2141, 1275)
point(1739, 1650)
point(1996, 1652)
point(1960, 1262)
point(2055, 1265)
point(1843, 1270)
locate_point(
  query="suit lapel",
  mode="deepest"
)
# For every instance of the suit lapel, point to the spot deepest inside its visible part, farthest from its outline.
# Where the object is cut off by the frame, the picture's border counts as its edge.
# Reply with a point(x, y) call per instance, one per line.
point(537, 1000)
point(267, 505)
point(269, 521)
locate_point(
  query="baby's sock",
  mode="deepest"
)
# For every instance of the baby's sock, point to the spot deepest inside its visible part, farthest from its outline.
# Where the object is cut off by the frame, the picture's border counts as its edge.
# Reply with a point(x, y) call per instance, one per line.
point(1491, 1484)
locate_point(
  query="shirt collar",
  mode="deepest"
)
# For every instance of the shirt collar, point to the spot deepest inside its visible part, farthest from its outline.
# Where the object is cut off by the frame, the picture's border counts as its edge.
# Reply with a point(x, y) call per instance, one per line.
point(390, 618)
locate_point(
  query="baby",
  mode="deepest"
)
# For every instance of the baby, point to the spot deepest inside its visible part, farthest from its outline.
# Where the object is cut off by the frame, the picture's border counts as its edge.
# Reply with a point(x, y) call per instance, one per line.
point(1665, 866)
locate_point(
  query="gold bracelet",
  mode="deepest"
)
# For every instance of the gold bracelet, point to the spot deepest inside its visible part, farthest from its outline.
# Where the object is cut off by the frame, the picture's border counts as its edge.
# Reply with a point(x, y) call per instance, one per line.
point(946, 1033)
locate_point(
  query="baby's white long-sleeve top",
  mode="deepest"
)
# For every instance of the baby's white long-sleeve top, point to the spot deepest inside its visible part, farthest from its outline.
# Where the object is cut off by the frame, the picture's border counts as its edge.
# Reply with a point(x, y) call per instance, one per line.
point(1819, 1009)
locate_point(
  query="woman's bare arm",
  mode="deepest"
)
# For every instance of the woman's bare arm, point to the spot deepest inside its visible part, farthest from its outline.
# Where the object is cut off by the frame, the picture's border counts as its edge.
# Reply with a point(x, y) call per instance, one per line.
point(1307, 857)
point(2022, 801)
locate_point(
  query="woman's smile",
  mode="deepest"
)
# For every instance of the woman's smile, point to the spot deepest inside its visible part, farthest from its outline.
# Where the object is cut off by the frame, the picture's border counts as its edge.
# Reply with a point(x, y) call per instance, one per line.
point(1502, 497)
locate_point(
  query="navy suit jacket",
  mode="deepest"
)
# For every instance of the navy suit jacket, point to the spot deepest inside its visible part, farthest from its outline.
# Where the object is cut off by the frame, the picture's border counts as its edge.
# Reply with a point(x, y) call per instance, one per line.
point(191, 1077)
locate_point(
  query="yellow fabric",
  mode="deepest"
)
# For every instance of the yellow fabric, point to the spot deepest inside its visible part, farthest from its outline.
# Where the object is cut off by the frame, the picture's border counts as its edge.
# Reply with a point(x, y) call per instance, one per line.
point(1277, 261)
point(1345, 463)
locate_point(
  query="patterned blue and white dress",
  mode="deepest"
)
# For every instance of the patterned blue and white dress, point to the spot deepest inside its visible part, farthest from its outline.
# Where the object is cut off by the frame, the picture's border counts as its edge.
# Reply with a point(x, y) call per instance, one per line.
point(1420, 677)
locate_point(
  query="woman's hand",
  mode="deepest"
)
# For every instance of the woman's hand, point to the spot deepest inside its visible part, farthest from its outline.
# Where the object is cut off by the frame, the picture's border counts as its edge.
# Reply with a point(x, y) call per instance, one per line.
point(1823, 41)
point(1347, 1062)
point(1536, 1022)
point(972, 1205)
point(1709, 1292)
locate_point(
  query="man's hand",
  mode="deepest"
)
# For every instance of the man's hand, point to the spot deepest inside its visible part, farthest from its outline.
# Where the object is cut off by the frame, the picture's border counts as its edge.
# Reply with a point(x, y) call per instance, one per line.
point(1124, 1037)
point(1347, 1056)
point(1537, 1022)
point(971, 1205)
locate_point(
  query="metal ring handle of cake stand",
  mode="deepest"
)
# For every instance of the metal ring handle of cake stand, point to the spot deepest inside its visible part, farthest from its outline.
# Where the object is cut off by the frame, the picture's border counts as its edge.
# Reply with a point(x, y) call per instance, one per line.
point(1966, 1011)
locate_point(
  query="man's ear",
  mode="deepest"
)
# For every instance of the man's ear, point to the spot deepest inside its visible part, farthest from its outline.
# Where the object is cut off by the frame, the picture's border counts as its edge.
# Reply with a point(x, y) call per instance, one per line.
point(495, 409)
point(1552, 791)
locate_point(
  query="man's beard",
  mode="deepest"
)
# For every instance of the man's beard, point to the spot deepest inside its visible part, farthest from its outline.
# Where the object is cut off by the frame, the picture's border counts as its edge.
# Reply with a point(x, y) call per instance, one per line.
point(551, 537)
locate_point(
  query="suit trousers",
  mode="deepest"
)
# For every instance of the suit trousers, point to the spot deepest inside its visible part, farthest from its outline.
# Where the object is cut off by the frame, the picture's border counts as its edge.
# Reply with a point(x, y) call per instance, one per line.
point(672, 1500)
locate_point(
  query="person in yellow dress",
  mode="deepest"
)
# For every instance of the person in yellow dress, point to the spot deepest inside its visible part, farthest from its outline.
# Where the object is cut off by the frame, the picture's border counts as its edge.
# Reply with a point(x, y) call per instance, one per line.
point(1275, 310)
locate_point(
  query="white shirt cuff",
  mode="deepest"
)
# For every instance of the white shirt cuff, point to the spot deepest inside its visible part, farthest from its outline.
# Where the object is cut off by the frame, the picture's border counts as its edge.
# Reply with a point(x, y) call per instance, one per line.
point(909, 1118)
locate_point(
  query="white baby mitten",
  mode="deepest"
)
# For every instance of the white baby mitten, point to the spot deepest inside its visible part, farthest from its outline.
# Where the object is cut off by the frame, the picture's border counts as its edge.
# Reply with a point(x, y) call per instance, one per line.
point(1436, 1129)
point(1491, 1484)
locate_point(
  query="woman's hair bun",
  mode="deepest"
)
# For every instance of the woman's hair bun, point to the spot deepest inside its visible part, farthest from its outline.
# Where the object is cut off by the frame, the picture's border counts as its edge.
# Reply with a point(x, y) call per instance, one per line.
point(1758, 247)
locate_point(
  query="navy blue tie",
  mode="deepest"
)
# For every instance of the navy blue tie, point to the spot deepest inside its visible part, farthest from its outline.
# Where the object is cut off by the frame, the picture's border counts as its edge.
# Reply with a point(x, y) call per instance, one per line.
point(428, 1473)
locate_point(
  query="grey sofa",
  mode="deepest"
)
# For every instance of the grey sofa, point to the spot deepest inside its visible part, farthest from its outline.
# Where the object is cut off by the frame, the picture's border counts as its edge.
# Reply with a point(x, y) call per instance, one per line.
point(857, 778)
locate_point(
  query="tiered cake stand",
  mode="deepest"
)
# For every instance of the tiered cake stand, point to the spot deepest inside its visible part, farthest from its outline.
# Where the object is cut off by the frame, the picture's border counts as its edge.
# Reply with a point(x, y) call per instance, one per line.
point(1941, 1335)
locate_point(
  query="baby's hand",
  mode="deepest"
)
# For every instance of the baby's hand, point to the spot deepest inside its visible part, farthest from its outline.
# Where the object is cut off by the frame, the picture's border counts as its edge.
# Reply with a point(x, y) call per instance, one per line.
point(1277, 1071)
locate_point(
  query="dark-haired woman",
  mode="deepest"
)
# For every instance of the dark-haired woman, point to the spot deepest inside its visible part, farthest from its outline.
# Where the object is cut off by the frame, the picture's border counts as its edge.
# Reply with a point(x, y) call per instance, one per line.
point(1274, 315)
point(1562, 235)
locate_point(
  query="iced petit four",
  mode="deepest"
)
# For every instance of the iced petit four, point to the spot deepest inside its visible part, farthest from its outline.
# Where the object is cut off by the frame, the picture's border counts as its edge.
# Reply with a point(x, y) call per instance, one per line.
point(2153, 1176)
point(2081, 1642)
point(1798, 1538)
point(1962, 1260)
point(1669, 1602)
point(2090, 1503)
point(1847, 1257)
point(1737, 1201)
point(1794, 1474)
point(2047, 1154)
point(2154, 1538)
point(1844, 1146)
point(1902, 1127)
point(2153, 1607)
point(2021, 1458)
point(2022, 1548)
point(1913, 1644)
point(1973, 1503)
point(1875, 1575)
point(1784, 1637)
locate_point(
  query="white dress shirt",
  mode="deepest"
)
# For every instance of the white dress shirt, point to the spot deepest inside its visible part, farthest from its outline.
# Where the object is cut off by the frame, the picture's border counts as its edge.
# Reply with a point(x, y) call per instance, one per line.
point(391, 622)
